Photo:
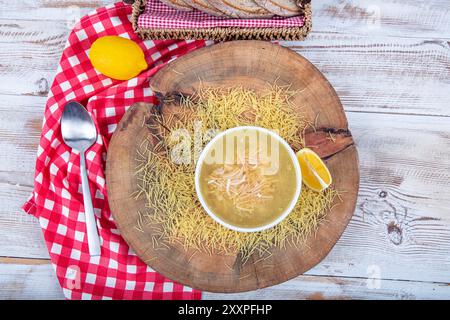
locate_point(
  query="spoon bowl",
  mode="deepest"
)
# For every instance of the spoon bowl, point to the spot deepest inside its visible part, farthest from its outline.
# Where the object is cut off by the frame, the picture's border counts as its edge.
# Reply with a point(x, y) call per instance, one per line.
point(77, 127)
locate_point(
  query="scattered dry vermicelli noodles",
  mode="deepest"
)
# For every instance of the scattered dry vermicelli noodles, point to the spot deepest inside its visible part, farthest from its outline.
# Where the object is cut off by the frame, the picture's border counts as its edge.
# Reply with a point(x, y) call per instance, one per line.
point(174, 213)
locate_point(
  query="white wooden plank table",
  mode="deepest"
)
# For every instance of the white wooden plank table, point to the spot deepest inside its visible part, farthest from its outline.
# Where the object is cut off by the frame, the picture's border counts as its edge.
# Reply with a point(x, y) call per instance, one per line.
point(389, 61)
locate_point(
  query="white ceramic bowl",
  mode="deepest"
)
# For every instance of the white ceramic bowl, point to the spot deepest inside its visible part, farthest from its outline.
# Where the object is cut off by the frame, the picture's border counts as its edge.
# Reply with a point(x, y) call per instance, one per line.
point(297, 169)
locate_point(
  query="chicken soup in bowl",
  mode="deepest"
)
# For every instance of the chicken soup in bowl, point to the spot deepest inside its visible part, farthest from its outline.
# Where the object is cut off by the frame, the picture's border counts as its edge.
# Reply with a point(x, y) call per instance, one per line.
point(248, 179)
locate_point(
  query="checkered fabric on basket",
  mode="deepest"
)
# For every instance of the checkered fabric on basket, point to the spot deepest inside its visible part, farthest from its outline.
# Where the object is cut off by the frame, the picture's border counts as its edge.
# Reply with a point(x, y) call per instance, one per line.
point(160, 16)
point(57, 199)
point(153, 19)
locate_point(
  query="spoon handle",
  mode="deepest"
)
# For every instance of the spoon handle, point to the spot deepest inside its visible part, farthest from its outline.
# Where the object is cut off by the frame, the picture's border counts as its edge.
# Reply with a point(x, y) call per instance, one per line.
point(91, 226)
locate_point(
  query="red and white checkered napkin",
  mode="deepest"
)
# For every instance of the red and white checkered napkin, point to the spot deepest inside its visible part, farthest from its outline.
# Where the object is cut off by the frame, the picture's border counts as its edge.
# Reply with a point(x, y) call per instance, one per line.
point(157, 15)
point(57, 199)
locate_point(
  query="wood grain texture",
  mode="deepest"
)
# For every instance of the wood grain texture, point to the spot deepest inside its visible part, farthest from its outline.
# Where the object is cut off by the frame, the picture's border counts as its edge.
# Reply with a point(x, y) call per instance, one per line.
point(20, 125)
point(252, 65)
point(33, 282)
point(383, 74)
point(398, 63)
point(20, 233)
point(27, 281)
point(400, 18)
point(22, 281)
point(63, 10)
point(340, 288)
point(30, 55)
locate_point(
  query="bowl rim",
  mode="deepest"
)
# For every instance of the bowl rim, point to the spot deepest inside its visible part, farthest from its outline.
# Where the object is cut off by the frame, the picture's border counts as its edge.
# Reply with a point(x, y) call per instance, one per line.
point(282, 216)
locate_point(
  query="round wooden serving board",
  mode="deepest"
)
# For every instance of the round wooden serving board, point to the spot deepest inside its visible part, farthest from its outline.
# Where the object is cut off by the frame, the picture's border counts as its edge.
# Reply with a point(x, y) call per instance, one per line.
point(251, 64)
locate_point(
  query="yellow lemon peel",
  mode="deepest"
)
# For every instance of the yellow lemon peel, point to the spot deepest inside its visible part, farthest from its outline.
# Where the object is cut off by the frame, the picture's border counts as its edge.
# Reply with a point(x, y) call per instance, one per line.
point(118, 58)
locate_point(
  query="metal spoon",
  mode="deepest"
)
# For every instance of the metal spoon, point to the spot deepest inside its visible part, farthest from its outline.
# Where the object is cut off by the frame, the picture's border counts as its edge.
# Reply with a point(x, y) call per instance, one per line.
point(79, 133)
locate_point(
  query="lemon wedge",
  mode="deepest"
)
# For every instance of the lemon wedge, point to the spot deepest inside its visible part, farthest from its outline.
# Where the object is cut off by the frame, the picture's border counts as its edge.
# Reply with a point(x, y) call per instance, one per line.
point(118, 58)
point(315, 174)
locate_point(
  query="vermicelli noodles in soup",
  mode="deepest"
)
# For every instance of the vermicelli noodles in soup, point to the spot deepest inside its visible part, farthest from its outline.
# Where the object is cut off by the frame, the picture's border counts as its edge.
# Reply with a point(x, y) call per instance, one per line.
point(247, 178)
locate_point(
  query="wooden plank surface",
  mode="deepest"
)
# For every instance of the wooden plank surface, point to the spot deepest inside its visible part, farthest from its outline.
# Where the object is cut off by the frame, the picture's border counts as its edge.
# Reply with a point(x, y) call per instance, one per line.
point(401, 18)
point(339, 288)
point(63, 10)
point(390, 64)
point(20, 280)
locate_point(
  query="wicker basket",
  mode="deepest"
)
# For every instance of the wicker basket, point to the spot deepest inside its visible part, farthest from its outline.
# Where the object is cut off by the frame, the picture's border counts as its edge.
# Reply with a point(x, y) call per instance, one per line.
point(222, 33)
